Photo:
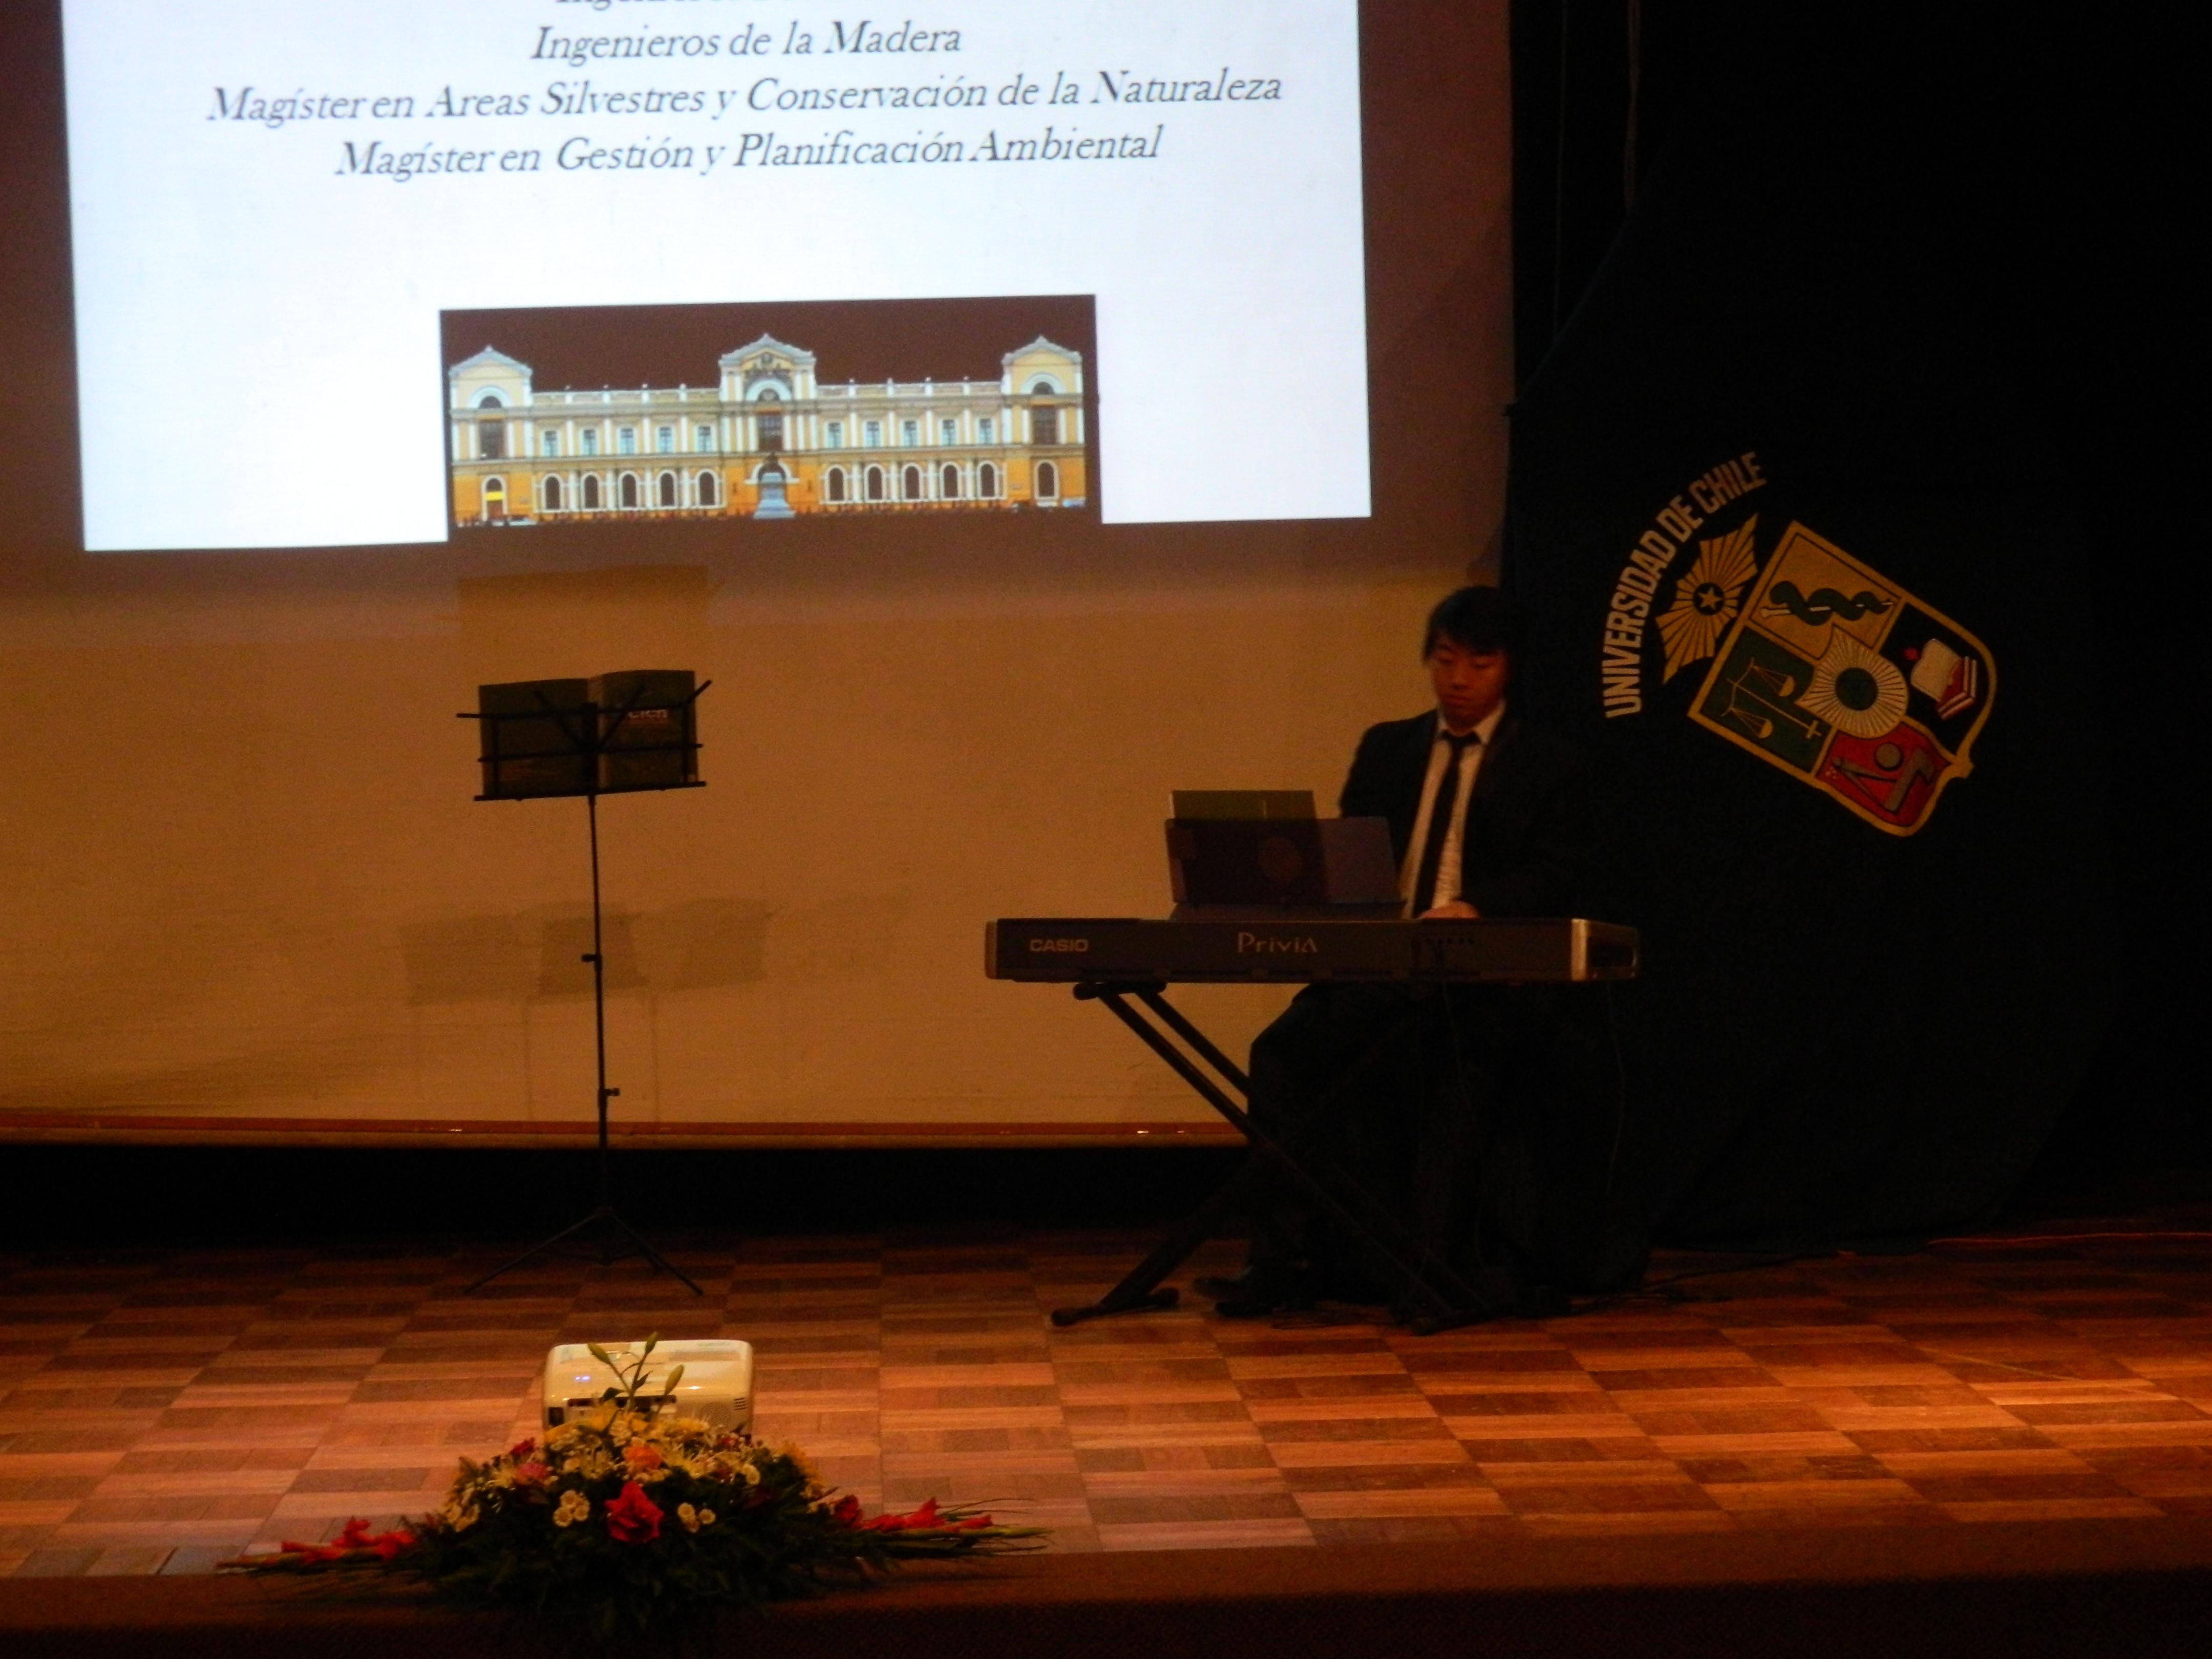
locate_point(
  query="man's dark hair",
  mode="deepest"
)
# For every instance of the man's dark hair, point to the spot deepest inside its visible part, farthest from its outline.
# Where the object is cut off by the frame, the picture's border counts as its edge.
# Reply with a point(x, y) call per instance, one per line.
point(1478, 619)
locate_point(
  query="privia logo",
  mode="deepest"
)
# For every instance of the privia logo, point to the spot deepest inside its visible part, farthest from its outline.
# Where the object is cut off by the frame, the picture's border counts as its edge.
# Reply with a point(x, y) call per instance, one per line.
point(1800, 654)
point(1303, 945)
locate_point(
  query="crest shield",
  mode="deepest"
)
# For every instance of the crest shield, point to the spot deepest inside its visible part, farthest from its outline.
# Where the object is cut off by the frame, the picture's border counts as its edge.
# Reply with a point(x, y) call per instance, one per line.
point(1840, 677)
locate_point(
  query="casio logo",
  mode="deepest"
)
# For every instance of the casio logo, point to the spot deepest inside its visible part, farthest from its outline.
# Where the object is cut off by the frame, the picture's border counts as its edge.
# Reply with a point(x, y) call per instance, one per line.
point(1069, 944)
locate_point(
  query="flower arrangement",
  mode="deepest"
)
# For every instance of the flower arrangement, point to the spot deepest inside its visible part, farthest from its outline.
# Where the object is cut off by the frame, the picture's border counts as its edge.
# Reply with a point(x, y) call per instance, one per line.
point(622, 1519)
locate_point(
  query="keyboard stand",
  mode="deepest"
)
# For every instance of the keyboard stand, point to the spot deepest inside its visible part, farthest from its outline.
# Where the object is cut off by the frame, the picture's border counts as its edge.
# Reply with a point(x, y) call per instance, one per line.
point(1439, 1297)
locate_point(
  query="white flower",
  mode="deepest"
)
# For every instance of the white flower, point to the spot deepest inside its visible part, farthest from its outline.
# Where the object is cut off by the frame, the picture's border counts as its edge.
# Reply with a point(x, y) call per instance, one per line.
point(574, 1507)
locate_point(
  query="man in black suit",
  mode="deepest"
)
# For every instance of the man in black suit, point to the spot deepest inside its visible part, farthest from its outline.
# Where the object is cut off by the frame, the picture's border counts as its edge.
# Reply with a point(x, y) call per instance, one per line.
point(1468, 1112)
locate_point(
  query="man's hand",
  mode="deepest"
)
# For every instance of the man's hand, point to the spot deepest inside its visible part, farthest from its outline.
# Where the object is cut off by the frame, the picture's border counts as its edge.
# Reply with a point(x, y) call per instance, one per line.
point(1457, 910)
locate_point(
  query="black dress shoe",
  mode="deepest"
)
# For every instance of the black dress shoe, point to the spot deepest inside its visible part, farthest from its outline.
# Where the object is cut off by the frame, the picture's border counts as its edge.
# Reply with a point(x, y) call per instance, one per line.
point(1262, 1289)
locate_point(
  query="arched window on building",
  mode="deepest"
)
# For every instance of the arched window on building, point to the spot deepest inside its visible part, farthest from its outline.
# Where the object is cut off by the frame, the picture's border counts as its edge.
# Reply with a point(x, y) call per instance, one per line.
point(591, 492)
point(491, 400)
point(1044, 425)
point(1048, 481)
point(875, 483)
point(1043, 386)
point(910, 483)
point(833, 484)
point(666, 490)
point(710, 494)
point(629, 489)
point(771, 422)
point(948, 483)
point(495, 498)
point(987, 481)
point(551, 493)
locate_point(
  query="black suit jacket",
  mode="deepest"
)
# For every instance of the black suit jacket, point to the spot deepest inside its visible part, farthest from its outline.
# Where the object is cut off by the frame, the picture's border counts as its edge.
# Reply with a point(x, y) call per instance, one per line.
point(1528, 822)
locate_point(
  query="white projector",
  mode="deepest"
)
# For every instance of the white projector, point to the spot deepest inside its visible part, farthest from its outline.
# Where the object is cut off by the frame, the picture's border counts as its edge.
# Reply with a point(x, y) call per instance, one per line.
point(716, 1386)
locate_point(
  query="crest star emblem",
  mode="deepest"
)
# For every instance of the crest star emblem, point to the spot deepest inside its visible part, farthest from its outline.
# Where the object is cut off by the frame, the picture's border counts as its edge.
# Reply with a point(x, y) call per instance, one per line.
point(1707, 597)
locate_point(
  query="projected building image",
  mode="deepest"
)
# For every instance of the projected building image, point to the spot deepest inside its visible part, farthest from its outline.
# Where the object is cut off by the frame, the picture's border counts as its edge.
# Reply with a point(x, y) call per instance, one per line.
point(766, 439)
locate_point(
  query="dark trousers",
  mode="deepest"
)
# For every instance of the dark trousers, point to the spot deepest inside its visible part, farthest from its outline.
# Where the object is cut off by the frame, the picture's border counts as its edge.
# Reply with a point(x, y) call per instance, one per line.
point(1484, 1121)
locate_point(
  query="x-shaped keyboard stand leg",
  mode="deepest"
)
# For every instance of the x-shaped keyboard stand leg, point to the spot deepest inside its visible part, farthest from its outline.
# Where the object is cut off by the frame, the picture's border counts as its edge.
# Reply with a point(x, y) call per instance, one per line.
point(1439, 1296)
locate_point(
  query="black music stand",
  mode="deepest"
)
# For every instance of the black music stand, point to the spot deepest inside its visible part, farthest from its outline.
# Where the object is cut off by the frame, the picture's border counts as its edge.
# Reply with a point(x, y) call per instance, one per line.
point(617, 734)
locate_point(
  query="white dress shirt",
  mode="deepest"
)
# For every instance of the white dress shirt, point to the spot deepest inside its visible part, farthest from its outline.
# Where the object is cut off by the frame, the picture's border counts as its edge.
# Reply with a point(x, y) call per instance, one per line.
point(1448, 865)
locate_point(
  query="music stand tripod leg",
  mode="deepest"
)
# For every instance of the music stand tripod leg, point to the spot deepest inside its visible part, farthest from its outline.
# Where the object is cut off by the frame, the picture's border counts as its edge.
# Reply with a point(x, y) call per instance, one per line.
point(545, 1247)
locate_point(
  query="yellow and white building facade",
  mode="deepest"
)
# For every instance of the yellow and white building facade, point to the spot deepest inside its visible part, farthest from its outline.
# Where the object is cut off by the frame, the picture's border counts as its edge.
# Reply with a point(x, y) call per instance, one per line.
point(767, 441)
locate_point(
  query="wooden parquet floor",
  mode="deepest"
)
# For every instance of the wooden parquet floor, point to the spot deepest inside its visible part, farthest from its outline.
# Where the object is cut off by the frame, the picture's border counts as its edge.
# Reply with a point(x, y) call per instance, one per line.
point(159, 1410)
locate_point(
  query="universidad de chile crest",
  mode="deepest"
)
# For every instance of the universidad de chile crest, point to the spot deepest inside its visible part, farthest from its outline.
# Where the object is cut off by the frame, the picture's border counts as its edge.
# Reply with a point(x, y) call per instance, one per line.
point(1816, 663)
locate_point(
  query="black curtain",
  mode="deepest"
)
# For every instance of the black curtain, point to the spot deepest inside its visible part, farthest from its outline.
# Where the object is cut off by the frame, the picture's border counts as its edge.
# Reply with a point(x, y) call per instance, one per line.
point(1886, 255)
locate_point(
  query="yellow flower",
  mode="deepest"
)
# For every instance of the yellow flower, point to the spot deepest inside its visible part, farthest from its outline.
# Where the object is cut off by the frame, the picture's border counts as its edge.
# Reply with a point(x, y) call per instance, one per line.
point(693, 1519)
point(574, 1507)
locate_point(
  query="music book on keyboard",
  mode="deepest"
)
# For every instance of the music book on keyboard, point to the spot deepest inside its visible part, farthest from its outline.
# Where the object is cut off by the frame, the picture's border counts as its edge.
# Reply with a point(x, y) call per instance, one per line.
point(1259, 851)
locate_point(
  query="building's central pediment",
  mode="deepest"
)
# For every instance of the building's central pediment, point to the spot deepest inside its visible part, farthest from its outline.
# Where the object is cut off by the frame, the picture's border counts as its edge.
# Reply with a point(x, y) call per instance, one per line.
point(768, 353)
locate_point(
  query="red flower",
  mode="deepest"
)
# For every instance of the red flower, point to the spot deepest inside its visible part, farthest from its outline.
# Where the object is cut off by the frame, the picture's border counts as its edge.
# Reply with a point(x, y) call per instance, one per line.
point(632, 1518)
point(529, 1474)
point(354, 1536)
point(847, 1510)
point(521, 1448)
point(922, 1520)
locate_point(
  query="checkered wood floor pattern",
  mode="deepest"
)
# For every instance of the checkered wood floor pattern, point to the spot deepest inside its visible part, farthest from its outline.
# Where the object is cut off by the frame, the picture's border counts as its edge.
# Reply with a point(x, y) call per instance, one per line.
point(159, 1410)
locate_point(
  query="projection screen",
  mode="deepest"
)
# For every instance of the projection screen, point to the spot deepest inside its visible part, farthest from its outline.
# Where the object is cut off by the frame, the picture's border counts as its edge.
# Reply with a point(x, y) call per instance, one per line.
point(1016, 412)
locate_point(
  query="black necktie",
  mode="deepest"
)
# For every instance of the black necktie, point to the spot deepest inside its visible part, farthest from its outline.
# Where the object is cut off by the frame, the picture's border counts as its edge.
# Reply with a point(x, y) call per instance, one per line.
point(1440, 816)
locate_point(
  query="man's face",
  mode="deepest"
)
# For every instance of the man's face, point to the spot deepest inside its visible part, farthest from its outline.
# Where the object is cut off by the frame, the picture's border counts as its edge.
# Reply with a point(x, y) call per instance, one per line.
point(1468, 683)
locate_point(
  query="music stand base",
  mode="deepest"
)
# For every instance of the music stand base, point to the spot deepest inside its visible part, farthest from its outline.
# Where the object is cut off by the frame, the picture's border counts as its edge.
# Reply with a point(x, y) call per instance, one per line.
point(604, 1219)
